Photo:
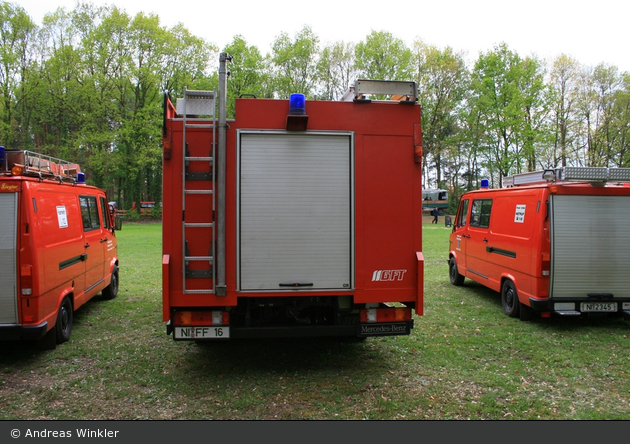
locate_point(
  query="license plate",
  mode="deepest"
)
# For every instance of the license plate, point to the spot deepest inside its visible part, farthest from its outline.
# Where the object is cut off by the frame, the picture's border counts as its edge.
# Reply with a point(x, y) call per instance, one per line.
point(202, 332)
point(598, 307)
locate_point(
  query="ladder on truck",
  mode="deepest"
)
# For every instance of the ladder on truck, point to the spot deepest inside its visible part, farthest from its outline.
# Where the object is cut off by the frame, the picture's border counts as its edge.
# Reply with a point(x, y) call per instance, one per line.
point(594, 175)
point(197, 183)
point(29, 163)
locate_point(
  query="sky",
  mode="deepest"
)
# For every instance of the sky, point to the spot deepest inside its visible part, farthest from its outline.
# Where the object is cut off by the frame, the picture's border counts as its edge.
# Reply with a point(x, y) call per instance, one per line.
point(591, 32)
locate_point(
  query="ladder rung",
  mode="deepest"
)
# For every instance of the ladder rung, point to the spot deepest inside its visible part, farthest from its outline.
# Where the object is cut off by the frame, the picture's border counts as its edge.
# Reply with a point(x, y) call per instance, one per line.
point(198, 93)
point(198, 291)
point(198, 258)
point(199, 225)
point(198, 191)
point(198, 125)
point(199, 159)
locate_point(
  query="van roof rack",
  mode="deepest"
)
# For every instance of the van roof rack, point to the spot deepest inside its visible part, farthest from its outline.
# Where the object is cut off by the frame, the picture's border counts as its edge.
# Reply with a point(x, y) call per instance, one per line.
point(596, 175)
point(29, 163)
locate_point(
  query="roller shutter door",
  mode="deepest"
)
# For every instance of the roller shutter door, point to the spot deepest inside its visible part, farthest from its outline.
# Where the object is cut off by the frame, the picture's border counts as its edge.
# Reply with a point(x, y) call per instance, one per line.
point(8, 273)
point(590, 241)
point(295, 211)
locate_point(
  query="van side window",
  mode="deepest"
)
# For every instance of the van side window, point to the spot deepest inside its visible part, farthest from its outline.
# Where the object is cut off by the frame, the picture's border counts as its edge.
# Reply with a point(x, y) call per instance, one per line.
point(480, 213)
point(105, 212)
point(89, 213)
point(462, 216)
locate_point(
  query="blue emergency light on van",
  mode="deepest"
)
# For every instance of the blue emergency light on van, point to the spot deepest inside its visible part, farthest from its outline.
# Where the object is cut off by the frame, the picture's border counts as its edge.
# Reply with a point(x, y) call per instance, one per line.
point(485, 183)
point(81, 178)
point(297, 104)
point(1, 156)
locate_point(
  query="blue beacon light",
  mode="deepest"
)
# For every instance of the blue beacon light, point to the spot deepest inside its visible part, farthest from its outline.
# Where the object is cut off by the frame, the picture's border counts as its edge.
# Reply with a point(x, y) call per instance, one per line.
point(297, 104)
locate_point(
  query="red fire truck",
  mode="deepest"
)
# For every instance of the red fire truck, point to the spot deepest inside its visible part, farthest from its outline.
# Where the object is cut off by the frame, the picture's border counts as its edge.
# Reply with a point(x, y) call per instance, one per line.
point(297, 218)
point(57, 247)
point(553, 241)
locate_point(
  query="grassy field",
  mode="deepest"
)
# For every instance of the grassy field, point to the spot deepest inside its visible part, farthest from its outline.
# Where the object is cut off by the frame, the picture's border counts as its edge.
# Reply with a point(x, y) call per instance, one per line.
point(464, 360)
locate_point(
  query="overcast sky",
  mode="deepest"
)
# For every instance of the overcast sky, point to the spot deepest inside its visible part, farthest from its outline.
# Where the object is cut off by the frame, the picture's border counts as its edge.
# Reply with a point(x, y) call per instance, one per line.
point(592, 32)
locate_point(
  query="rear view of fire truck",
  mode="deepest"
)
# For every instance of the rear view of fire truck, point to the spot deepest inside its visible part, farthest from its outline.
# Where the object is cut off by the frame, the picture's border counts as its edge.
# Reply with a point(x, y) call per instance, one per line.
point(297, 218)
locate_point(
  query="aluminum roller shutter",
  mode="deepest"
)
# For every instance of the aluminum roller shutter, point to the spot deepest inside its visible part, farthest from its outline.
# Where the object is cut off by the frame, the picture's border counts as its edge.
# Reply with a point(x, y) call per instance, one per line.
point(590, 242)
point(295, 211)
point(8, 273)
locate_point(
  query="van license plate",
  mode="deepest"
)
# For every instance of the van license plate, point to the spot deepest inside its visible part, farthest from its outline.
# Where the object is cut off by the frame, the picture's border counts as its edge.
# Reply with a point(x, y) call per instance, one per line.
point(586, 307)
point(202, 332)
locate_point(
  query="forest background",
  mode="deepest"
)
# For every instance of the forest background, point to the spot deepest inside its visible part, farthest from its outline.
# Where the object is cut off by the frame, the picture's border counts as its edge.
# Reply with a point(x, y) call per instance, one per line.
point(88, 86)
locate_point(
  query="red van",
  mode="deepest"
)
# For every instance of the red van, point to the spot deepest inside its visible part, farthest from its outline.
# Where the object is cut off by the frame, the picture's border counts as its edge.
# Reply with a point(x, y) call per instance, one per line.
point(554, 241)
point(57, 247)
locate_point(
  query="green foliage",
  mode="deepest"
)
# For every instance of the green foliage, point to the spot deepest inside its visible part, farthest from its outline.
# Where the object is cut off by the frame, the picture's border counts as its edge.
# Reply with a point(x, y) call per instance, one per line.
point(464, 360)
point(88, 86)
point(295, 63)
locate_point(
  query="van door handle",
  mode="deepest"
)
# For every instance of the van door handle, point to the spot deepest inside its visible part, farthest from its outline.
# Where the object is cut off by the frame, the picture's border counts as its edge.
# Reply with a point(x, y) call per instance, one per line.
point(104, 240)
point(485, 240)
point(87, 245)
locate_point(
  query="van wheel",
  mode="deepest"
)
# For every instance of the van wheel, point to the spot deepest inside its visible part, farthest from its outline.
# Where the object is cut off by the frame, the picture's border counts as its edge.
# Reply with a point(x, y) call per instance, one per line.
point(509, 299)
point(64, 321)
point(111, 291)
point(456, 278)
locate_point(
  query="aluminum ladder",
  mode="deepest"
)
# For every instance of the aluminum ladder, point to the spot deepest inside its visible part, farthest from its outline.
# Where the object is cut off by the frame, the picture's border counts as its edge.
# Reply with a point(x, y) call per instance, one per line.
point(193, 105)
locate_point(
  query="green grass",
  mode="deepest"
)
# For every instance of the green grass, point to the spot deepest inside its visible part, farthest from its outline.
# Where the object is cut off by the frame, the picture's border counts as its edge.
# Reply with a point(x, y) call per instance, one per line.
point(464, 360)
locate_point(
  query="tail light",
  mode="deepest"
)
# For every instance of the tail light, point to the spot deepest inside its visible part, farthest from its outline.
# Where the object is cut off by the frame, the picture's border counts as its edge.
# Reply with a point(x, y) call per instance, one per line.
point(374, 315)
point(26, 280)
point(546, 264)
point(197, 318)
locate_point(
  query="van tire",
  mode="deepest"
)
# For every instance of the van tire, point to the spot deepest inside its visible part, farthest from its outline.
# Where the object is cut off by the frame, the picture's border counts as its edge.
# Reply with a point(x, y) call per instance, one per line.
point(509, 299)
point(111, 291)
point(64, 321)
point(456, 278)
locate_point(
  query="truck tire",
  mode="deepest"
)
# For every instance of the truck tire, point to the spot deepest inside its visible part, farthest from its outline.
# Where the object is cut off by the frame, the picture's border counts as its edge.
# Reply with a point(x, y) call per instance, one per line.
point(111, 291)
point(64, 321)
point(456, 278)
point(509, 299)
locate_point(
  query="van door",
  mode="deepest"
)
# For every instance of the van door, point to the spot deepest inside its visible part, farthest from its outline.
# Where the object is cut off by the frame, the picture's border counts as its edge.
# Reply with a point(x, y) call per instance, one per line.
point(460, 235)
point(478, 234)
point(107, 236)
point(93, 236)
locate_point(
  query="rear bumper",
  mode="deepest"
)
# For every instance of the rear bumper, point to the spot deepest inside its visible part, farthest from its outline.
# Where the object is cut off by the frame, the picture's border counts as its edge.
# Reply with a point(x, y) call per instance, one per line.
point(357, 330)
point(23, 333)
point(571, 307)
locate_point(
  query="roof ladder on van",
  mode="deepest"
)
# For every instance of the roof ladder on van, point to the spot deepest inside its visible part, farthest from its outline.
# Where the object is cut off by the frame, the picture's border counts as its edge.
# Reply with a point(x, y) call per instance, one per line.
point(29, 163)
point(595, 175)
point(197, 108)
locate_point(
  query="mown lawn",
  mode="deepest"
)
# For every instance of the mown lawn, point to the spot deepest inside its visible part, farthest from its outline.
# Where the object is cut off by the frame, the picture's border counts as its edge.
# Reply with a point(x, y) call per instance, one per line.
point(464, 360)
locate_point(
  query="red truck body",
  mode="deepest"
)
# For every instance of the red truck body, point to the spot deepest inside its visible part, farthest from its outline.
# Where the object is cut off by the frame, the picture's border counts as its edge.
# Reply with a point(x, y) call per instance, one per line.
point(322, 221)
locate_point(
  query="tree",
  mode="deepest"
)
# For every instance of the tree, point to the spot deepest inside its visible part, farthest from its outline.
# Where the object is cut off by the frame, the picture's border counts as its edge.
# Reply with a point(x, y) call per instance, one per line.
point(564, 83)
point(442, 79)
point(295, 63)
point(17, 30)
point(336, 70)
point(383, 57)
point(509, 94)
point(247, 74)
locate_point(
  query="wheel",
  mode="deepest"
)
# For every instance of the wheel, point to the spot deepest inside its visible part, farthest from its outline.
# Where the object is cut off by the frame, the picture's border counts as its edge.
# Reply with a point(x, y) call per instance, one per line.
point(111, 291)
point(64, 321)
point(509, 299)
point(456, 278)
